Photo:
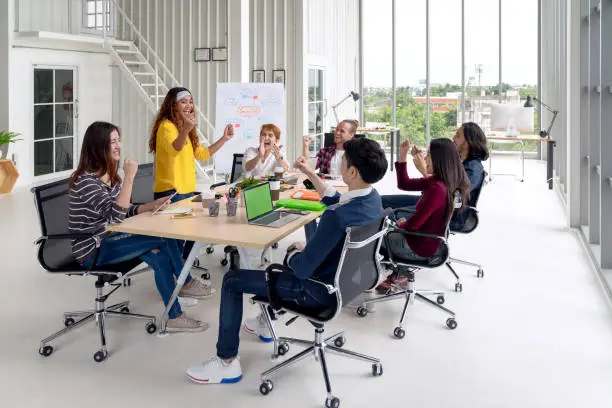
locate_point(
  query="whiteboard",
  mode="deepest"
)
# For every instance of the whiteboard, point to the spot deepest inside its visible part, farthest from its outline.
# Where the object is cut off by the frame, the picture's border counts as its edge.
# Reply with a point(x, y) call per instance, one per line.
point(247, 106)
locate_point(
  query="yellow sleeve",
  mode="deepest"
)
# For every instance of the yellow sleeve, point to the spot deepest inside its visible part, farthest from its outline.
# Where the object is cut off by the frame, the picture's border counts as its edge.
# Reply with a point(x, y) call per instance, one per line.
point(166, 135)
point(202, 153)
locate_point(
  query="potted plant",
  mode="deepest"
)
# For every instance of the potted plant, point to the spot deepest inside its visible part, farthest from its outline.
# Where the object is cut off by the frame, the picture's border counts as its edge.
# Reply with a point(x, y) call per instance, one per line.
point(244, 184)
point(7, 137)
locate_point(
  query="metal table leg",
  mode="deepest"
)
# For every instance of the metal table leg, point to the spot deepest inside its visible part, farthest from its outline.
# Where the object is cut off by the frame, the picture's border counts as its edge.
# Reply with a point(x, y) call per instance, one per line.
point(179, 284)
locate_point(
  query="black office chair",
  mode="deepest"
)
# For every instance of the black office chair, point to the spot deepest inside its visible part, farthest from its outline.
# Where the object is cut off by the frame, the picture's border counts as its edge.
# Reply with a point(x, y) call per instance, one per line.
point(357, 271)
point(144, 181)
point(55, 256)
point(465, 222)
point(408, 267)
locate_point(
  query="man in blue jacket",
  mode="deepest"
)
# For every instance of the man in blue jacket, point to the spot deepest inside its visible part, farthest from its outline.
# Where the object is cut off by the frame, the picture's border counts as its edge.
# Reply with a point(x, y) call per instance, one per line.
point(363, 164)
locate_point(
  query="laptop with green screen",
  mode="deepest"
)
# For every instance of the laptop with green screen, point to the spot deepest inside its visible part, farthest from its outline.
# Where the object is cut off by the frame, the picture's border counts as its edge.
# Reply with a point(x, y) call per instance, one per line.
point(259, 209)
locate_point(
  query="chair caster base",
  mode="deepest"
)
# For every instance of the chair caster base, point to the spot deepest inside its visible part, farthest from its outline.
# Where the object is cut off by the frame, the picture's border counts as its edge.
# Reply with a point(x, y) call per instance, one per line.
point(266, 387)
point(332, 402)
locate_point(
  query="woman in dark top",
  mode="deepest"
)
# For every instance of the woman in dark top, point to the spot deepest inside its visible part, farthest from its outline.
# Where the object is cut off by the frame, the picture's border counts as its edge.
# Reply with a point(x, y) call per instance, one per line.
point(99, 197)
point(471, 144)
point(435, 208)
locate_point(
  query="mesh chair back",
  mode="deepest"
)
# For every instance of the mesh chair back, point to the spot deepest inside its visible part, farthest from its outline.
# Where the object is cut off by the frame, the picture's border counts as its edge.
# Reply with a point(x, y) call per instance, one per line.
point(359, 266)
point(142, 190)
point(237, 168)
point(52, 207)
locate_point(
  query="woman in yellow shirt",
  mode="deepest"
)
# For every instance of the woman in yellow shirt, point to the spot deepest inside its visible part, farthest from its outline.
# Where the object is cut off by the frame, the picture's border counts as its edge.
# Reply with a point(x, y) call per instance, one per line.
point(176, 146)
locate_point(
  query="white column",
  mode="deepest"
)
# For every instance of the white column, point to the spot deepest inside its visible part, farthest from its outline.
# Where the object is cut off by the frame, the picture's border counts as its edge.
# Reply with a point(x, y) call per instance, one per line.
point(238, 40)
point(6, 39)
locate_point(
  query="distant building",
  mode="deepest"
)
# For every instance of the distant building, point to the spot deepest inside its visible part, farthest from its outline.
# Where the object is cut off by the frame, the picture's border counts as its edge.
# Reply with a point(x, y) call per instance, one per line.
point(439, 104)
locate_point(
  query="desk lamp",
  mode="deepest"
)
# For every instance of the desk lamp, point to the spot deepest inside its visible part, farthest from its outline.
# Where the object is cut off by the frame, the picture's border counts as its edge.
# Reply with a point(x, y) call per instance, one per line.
point(353, 95)
point(529, 104)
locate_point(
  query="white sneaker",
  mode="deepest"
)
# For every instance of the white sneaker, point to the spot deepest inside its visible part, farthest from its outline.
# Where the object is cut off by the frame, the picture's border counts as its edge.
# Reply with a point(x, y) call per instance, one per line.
point(216, 371)
point(257, 326)
point(187, 302)
point(198, 289)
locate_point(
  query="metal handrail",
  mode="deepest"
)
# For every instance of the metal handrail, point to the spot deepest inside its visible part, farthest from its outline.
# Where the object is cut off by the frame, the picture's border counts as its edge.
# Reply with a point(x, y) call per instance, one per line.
point(159, 62)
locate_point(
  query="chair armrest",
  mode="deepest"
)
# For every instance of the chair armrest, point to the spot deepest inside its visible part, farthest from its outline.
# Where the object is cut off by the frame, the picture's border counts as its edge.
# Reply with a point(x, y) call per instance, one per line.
point(272, 273)
point(406, 209)
point(407, 233)
point(62, 237)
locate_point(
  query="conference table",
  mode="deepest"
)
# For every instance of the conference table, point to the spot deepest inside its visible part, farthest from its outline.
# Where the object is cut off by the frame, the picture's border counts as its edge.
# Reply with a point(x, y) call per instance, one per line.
point(221, 230)
point(550, 144)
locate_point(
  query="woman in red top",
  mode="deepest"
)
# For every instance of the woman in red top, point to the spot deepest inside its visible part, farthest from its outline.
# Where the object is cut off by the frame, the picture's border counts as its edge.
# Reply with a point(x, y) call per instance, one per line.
point(435, 208)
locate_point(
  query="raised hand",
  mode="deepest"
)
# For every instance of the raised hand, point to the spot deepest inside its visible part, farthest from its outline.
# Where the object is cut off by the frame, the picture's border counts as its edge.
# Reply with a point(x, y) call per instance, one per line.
point(306, 140)
point(187, 123)
point(404, 148)
point(228, 132)
point(130, 167)
point(301, 163)
point(276, 151)
point(419, 163)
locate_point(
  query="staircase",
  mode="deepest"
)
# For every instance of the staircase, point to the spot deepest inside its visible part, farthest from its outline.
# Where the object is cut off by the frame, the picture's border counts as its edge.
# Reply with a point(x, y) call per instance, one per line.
point(152, 80)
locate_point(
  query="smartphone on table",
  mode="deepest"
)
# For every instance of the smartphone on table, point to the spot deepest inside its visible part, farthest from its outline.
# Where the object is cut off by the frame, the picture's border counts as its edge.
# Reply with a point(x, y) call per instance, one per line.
point(182, 216)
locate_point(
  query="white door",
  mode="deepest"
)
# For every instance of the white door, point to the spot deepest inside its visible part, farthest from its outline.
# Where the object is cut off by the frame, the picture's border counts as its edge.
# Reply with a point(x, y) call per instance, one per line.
point(55, 121)
point(316, 108)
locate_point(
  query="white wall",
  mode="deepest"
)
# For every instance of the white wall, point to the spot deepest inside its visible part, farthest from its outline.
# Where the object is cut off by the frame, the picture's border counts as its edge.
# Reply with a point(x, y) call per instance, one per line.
point(332, 39)
point(173, 29)
point(61, 16)
point(94, 91)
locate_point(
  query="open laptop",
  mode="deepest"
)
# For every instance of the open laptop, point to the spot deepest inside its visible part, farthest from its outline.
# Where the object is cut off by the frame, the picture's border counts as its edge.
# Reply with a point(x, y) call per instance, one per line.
point(259, 210)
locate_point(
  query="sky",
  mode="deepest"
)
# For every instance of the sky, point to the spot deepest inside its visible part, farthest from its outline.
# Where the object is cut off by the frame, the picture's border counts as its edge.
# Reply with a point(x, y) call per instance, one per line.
point(519, 41)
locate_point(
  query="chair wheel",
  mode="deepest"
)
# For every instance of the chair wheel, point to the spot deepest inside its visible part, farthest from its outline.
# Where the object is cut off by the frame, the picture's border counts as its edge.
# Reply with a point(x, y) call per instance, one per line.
point(224, 262)
point(125, 309)
point(196, 262)
point(399, 332)
point(362, 311)
point(333, 402)
point(69, 321)
point(266, 387)
point(210, 250)
point(151, 327)
point(205, 276)
point(339, 342)
point(275, 245)
point(440, 300)
point(99, 356)
point(283, 349)
point(451, 323)
point(458, 287)
point(480, 273)
point(377, 370)
point(127, 282)
point(45, 351)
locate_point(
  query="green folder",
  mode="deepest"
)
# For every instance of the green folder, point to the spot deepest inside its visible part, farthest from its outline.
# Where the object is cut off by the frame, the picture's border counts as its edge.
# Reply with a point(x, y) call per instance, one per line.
point(300, 204)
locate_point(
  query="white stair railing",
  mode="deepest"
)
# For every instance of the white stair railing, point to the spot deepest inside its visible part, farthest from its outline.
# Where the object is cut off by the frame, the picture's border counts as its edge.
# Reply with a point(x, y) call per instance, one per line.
point(156, 66)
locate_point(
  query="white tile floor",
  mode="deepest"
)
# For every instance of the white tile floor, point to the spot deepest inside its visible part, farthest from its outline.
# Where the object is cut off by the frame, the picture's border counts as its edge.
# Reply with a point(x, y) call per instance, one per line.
point(536, 332)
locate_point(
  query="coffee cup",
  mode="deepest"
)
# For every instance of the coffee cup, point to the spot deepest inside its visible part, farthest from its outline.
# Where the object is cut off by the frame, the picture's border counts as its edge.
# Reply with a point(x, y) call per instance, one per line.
point(278, 172)
point(275, 189)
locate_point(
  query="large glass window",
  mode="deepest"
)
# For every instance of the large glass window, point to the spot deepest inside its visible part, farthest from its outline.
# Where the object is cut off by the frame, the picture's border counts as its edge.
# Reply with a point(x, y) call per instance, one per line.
point(54, 120)
point(97, 15)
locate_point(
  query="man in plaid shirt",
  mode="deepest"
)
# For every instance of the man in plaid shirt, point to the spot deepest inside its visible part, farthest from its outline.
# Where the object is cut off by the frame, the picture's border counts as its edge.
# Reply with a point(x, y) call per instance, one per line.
point(329, 158)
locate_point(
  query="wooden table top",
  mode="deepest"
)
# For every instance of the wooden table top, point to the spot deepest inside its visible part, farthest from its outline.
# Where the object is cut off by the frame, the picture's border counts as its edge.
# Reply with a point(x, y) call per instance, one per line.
point(221, 230)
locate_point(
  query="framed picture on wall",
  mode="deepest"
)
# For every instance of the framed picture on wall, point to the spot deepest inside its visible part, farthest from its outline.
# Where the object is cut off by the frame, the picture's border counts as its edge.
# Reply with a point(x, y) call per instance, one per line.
point(219, 54)
point(201, 54)
point(259, 75)
point(278, 76)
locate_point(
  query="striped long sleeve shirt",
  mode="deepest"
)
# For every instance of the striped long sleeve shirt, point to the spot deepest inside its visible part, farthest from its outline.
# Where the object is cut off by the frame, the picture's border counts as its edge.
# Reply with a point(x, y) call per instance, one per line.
point(93, 205)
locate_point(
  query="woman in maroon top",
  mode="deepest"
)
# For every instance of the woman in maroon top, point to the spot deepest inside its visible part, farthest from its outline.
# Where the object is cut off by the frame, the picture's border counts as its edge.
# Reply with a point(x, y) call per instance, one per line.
point(434, 209)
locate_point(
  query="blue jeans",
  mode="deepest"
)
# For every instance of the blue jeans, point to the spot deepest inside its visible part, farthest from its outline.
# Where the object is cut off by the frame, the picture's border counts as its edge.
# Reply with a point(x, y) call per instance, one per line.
point(184, 246)
point(237, 282)
point(166, 263)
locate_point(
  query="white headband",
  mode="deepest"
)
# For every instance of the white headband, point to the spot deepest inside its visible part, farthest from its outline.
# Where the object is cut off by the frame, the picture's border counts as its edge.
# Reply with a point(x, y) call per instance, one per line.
point(182, 95)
